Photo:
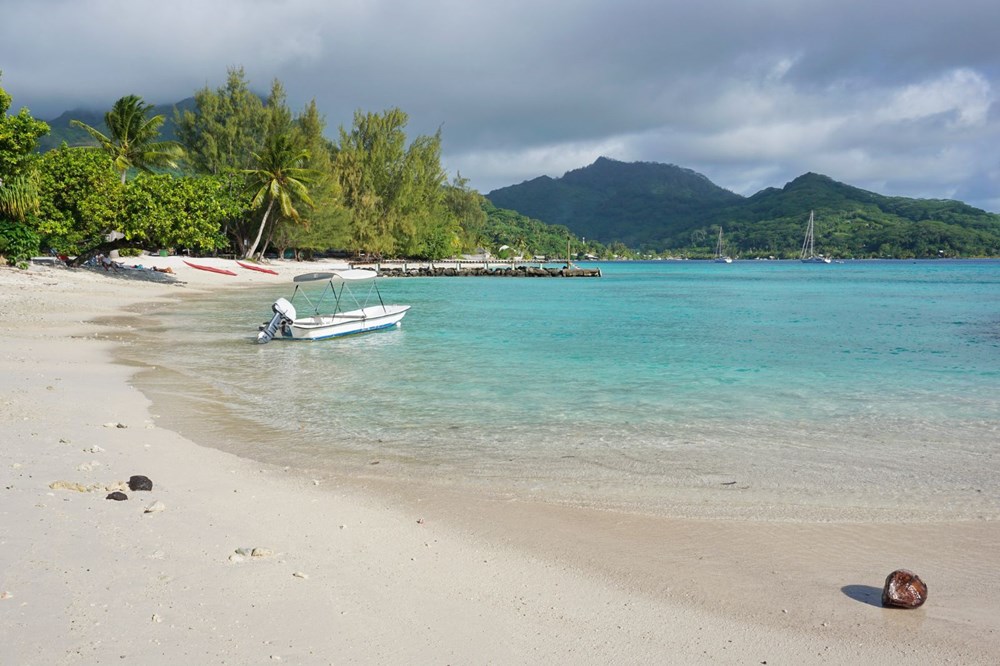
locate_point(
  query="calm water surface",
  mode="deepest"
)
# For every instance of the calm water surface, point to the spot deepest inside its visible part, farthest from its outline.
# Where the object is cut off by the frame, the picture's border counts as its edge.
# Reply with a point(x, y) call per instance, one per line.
point(863, 390)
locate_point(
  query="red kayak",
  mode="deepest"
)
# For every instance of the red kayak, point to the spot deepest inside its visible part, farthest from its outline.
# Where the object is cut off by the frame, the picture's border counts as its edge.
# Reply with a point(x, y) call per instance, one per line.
point(212, 269)
point(257, 268)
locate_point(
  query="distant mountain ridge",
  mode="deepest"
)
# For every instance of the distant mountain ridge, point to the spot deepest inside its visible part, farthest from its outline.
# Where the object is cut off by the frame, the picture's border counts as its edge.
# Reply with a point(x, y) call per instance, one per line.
point(618, 201)
point(661, 207)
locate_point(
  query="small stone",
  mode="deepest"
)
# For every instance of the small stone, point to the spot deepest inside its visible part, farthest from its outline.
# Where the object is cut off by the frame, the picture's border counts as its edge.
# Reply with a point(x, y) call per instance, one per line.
point(117, 496)
point(155, 507)
point(299, 574)
point(6, 595)
point(245, 552)
point(261, 552)
point(156, 618)
point(139, 483)
point(904, 589)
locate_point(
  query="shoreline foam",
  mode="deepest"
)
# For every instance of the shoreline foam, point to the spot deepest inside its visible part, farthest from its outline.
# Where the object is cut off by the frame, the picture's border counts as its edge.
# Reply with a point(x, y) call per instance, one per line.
point(395, 573)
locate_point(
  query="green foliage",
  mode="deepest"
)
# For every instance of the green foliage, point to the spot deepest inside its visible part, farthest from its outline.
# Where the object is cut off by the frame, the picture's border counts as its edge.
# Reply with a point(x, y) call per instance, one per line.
point(160, 210)
point(80, 196)
point(327, 223)
point(673, 211)
point(527, 237)
point(466, 207)
point(225, 128)
point(132, 139)
point(393, 191)
point(18, 138)
point(18, 197)
point(372, 192)
point(18, 242)
point(279, 178)
point(82, 199)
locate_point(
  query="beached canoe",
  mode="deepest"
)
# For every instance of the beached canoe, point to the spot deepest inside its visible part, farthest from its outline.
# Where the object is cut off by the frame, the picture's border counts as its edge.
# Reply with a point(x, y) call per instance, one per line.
point(257, 268)
point(212, 269)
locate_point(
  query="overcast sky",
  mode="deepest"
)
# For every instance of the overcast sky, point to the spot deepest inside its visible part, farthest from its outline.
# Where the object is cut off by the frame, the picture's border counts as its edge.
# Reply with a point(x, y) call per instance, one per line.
point(896, 97)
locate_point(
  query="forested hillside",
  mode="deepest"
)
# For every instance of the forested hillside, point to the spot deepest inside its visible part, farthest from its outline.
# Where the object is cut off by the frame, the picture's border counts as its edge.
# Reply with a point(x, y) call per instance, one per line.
point(665, 209)
point(632, 203)
point(851, 222)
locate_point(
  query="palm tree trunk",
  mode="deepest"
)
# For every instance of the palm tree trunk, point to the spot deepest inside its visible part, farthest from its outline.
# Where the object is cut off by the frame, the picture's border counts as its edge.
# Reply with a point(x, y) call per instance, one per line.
point(260, 231)
point(267, 241)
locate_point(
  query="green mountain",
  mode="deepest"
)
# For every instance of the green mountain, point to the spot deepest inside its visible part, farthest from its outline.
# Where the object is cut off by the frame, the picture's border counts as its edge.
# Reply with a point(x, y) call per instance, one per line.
point(665, 208)
point(61, 130)
point(633, 203)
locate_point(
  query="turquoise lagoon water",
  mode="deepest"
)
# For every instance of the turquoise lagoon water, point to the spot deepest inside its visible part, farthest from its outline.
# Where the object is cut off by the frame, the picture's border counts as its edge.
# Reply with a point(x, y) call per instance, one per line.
point(862, 390)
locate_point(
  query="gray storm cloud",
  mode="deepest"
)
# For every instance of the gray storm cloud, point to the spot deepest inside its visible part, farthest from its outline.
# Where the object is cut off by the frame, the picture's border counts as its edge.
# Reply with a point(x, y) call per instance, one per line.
point(901, 99)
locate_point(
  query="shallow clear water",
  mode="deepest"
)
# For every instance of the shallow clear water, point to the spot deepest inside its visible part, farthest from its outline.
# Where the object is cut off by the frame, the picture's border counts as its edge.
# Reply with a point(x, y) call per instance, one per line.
point(757, 388)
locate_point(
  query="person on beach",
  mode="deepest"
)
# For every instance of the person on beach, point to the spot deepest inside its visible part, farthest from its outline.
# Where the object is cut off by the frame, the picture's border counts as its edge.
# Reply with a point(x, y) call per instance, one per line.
point(107, 263)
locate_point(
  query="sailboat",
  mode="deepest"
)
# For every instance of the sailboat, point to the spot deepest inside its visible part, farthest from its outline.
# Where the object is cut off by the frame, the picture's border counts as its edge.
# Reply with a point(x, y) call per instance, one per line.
point(720, 257)
point(808, 254)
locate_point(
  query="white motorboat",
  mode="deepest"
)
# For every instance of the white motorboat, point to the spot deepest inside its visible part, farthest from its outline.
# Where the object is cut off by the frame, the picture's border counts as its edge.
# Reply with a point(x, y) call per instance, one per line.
point(808, 254)
point(339, 291)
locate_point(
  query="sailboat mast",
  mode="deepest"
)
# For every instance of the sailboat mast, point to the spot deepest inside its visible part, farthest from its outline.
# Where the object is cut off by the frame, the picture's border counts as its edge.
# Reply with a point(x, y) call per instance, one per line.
point(807, 242)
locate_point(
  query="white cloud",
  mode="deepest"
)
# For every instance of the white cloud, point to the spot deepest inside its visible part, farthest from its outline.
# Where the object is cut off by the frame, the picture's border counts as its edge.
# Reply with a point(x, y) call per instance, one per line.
point(964, 94)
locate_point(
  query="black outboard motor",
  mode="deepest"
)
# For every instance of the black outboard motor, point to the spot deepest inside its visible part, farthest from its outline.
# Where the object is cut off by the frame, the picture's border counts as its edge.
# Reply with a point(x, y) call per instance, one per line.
point(284, 312)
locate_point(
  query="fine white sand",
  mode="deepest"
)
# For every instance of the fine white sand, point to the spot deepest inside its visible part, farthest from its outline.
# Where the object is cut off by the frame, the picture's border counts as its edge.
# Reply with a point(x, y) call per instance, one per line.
point(359, 573)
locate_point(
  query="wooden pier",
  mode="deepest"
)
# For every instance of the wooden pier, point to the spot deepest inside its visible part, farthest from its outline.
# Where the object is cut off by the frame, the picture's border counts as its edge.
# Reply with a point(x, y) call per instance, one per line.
point(477, 269)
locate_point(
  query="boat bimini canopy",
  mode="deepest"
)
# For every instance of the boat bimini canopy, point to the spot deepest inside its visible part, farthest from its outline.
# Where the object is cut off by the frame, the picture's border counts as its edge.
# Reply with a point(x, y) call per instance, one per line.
point(352, 275)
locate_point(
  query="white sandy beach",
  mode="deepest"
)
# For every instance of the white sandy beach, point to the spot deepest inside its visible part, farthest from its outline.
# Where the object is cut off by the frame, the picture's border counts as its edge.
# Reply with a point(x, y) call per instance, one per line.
point(356, 573)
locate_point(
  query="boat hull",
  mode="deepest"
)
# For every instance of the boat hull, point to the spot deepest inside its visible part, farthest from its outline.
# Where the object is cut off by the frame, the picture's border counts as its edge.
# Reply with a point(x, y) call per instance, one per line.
point(210, 269)
point(323, 327)
point(259, 269)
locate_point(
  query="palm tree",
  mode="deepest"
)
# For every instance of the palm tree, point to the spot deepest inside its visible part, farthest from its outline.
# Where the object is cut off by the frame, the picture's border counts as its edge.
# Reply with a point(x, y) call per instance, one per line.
point(132, 142)
point(279, 178)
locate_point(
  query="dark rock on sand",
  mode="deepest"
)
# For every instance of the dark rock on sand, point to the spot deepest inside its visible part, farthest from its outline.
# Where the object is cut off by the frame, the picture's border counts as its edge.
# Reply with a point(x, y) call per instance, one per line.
point(117, 496)
point(139, 483)
point(904, 589)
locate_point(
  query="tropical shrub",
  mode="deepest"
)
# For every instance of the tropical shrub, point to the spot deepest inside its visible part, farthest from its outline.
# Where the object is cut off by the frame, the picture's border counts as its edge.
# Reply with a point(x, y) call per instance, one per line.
point(18, 243)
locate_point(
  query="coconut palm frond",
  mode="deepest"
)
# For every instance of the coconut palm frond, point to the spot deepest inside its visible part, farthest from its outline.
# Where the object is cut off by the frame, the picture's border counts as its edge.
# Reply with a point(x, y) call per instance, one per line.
point(133, 137)
point(18, 198)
